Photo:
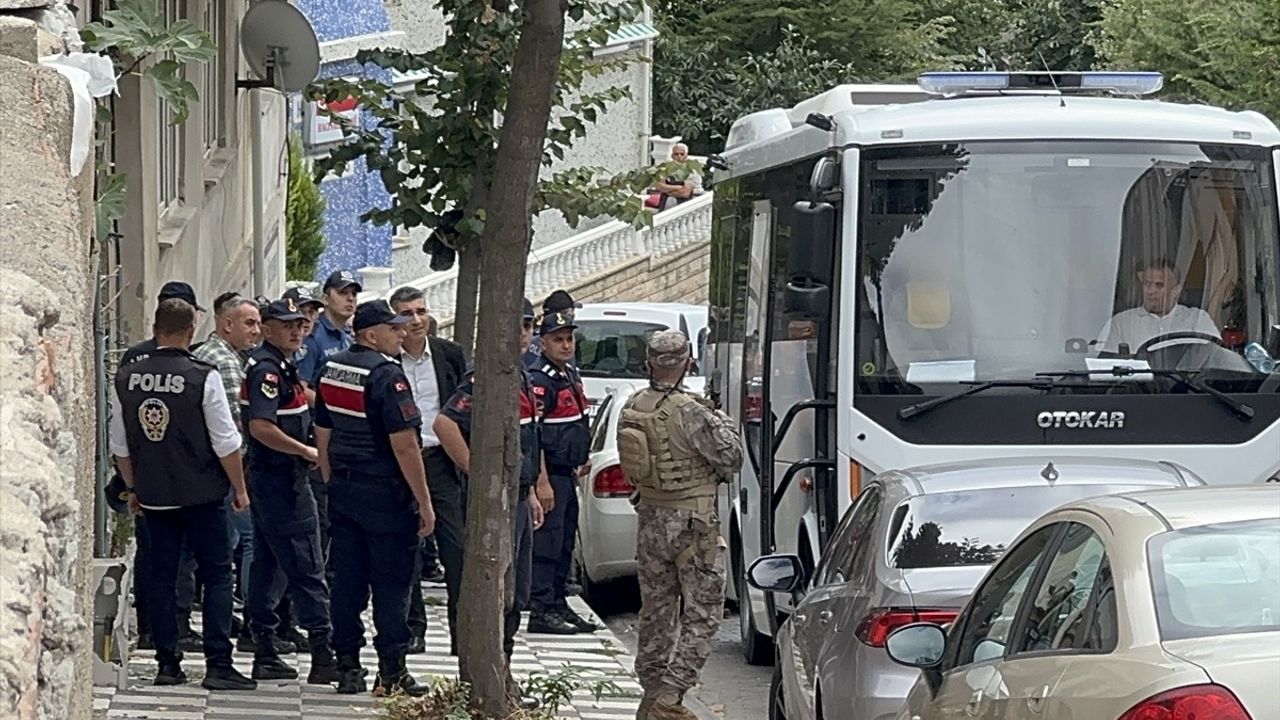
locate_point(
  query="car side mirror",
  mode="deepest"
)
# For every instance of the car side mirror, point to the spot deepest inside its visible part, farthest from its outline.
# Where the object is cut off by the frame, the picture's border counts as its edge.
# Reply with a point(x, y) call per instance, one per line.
point(921, 646)
point(776, 573)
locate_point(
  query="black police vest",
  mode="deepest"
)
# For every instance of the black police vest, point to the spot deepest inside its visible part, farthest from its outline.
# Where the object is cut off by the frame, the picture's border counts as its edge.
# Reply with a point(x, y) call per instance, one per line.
point(162, 402)
point(566, 435)
point(358, 444)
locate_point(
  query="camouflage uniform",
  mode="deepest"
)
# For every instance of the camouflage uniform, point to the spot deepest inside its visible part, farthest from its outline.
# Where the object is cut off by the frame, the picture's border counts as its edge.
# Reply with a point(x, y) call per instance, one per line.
point(678, 546)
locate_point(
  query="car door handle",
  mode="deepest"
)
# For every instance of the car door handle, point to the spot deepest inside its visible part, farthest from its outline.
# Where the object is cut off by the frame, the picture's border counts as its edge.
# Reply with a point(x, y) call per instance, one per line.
point(971, 707)
point(1035, 703)
point(824, 617)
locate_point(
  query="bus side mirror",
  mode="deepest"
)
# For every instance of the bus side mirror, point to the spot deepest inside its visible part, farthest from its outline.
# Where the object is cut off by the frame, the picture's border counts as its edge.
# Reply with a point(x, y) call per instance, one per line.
point(812, 259)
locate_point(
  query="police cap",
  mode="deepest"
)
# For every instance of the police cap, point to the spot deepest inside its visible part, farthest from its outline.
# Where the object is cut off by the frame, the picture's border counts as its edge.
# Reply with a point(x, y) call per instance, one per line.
point(301, 296)
point(528, 310)
point(179, 290)
point(559, 301)
point(668, 348)
point(282, 310)
point(376, 312)
point(341, 280)
point(558, 320)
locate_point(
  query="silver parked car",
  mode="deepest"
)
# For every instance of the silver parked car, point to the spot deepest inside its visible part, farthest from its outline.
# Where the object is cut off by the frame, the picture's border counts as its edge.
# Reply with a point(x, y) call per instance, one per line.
point(911, 549)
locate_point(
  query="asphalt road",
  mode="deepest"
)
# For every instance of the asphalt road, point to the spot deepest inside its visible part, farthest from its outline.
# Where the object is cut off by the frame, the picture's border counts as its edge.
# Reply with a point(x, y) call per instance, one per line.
point(731, 689)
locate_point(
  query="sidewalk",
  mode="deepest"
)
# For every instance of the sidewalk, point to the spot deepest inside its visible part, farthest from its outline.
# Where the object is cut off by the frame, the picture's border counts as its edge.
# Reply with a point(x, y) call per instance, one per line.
point(600, 656)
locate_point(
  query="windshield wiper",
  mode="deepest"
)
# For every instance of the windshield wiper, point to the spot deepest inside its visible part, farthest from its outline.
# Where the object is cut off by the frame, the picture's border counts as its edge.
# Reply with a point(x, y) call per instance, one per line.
point(1241, 410)
point(911, 411)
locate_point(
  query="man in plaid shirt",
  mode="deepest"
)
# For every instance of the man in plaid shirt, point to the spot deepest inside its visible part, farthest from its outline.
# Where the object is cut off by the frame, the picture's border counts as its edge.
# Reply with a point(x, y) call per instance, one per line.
point(235, 332)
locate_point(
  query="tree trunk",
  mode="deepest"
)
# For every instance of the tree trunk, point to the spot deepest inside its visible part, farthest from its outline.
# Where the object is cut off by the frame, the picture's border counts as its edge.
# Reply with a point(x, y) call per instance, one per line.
point(495, 445)
point(464, 305)
point(468, 292)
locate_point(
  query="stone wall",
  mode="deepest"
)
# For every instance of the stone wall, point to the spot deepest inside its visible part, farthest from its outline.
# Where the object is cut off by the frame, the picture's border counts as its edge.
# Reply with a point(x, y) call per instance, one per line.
point(47, 421)
point(680, 276)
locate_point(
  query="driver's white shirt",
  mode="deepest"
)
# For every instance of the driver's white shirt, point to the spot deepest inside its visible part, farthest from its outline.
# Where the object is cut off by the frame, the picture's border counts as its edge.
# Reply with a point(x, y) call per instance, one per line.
point(1135, 327)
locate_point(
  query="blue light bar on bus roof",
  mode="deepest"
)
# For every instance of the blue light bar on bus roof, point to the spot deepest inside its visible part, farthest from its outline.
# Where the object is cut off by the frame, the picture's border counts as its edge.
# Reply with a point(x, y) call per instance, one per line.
point(1120, 83)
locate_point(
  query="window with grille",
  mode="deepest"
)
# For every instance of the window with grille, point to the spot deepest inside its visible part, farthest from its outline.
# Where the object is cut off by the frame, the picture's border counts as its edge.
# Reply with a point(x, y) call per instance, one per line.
point(169, 152)
point(213, 94)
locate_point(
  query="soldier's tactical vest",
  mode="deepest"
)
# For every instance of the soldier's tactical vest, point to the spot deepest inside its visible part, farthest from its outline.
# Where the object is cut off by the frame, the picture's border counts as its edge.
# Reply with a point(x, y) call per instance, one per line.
point(663, 476)
point(356, 445)
point(162, 404)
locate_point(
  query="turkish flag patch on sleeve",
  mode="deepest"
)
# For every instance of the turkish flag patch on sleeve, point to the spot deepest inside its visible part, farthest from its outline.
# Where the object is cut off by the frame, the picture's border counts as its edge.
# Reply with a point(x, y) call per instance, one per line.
point(401, 386)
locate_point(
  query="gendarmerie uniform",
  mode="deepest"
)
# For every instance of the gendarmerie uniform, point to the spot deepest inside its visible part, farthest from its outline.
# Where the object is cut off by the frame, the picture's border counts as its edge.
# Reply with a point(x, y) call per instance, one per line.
point(363, 398)
point(566, 441)
point(170, 417)
point(284, 509)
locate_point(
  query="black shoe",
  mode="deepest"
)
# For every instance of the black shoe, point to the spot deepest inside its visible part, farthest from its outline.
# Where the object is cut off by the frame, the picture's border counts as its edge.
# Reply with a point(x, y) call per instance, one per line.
point(190, 643)
point(434, 574)
point(273, 669)
point(146, 642)
point(292, 636)
point(550, 624)
point(322, 674)
point(352, 682)
point(582, 624)
point(249, 645)
point(170, 675)
point(402, 684)
point(417, 646)
point(221, 677)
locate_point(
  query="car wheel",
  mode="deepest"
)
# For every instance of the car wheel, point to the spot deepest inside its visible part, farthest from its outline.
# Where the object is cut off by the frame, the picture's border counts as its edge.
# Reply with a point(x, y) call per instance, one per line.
point(777, 707)
point(757, 648)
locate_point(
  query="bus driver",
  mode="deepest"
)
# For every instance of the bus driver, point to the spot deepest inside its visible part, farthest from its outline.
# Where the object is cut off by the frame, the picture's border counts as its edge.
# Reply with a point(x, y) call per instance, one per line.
point(1159, 314)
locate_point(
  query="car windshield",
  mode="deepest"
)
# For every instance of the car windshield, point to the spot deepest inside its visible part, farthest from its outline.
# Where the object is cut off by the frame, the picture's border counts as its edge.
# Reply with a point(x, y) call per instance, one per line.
point(998, 260)
point(613, 348)
point(973, 527)
point(1217, 579)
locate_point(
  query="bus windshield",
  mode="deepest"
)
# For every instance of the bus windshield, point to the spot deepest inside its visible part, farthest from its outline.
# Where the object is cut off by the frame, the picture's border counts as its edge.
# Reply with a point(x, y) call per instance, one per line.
point(1000, 260)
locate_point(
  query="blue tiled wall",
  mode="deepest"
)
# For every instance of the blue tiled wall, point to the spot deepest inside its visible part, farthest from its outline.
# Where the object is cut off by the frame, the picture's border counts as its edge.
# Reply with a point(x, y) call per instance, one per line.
point(351, 244)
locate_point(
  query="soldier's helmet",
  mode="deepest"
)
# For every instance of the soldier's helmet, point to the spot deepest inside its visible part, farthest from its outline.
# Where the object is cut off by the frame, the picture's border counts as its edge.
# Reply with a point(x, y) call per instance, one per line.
point(668, 348)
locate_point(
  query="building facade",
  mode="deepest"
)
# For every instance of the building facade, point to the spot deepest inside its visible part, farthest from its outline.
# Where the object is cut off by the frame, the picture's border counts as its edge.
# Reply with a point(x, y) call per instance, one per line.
point(188, 213)
point(618, 142)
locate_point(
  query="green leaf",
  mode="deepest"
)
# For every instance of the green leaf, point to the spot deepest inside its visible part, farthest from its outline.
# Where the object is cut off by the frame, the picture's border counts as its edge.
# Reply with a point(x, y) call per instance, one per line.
point(109, 205)
point(173, 88)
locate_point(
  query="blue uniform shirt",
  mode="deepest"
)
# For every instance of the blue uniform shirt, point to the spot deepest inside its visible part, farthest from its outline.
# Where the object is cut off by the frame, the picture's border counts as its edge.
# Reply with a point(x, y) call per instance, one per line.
point(324, 342)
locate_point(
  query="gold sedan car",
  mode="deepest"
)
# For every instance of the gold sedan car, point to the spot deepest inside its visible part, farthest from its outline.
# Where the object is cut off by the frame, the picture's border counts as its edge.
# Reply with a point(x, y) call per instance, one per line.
point(1160, 605)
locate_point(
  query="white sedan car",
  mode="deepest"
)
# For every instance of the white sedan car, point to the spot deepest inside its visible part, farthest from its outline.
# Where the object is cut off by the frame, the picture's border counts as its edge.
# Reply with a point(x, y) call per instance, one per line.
point(606, 546)
point(1158, 605)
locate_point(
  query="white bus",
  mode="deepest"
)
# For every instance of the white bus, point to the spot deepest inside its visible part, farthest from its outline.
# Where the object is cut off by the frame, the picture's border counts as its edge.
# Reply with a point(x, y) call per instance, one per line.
point(987, 265)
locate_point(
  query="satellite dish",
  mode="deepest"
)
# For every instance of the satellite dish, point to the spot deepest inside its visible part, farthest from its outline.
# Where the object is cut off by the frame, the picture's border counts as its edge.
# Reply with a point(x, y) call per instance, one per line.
point(280, 46)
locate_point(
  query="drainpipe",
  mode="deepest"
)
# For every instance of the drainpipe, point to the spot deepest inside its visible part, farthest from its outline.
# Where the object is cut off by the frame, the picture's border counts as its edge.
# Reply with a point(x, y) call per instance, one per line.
point(257, 192)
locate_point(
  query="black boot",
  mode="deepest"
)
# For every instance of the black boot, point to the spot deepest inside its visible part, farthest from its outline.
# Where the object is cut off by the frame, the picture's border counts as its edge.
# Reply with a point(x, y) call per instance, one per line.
point(580, 623)
point(549, 623)
point(393, 678)
point(249, 644)
point(267, 664)
point(225, 677)
point(288, 634)
point(170, 672)
point(188, 640)
point(351, 675)
point(324, 669)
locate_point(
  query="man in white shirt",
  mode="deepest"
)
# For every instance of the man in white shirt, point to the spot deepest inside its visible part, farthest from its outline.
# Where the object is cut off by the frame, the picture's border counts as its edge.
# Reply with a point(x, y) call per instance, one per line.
point(1159, 314)
point(178, 450)
point(434, 367)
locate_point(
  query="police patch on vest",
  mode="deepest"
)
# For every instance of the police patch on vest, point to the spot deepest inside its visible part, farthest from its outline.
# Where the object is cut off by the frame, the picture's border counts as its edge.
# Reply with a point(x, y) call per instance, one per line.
point(153, 416)
point(271, 391)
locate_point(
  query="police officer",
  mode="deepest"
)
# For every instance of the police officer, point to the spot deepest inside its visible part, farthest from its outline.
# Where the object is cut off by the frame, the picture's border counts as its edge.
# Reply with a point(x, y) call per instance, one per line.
point(676, 450)
point(367, 433)
point(178, 450)
point(453, 427)
point(173, 290)
point(566, 441)
point(330, 335)
point(274, 409)
point(559, 301)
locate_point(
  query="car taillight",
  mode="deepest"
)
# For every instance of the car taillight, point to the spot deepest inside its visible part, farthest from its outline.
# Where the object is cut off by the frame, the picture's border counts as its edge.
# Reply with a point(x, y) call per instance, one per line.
point(1194, 702)
point(612, 482)
point(876, 626)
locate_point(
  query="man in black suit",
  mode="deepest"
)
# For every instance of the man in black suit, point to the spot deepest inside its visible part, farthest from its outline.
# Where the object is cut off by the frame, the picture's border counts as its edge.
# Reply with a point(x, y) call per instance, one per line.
point(434, 367)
